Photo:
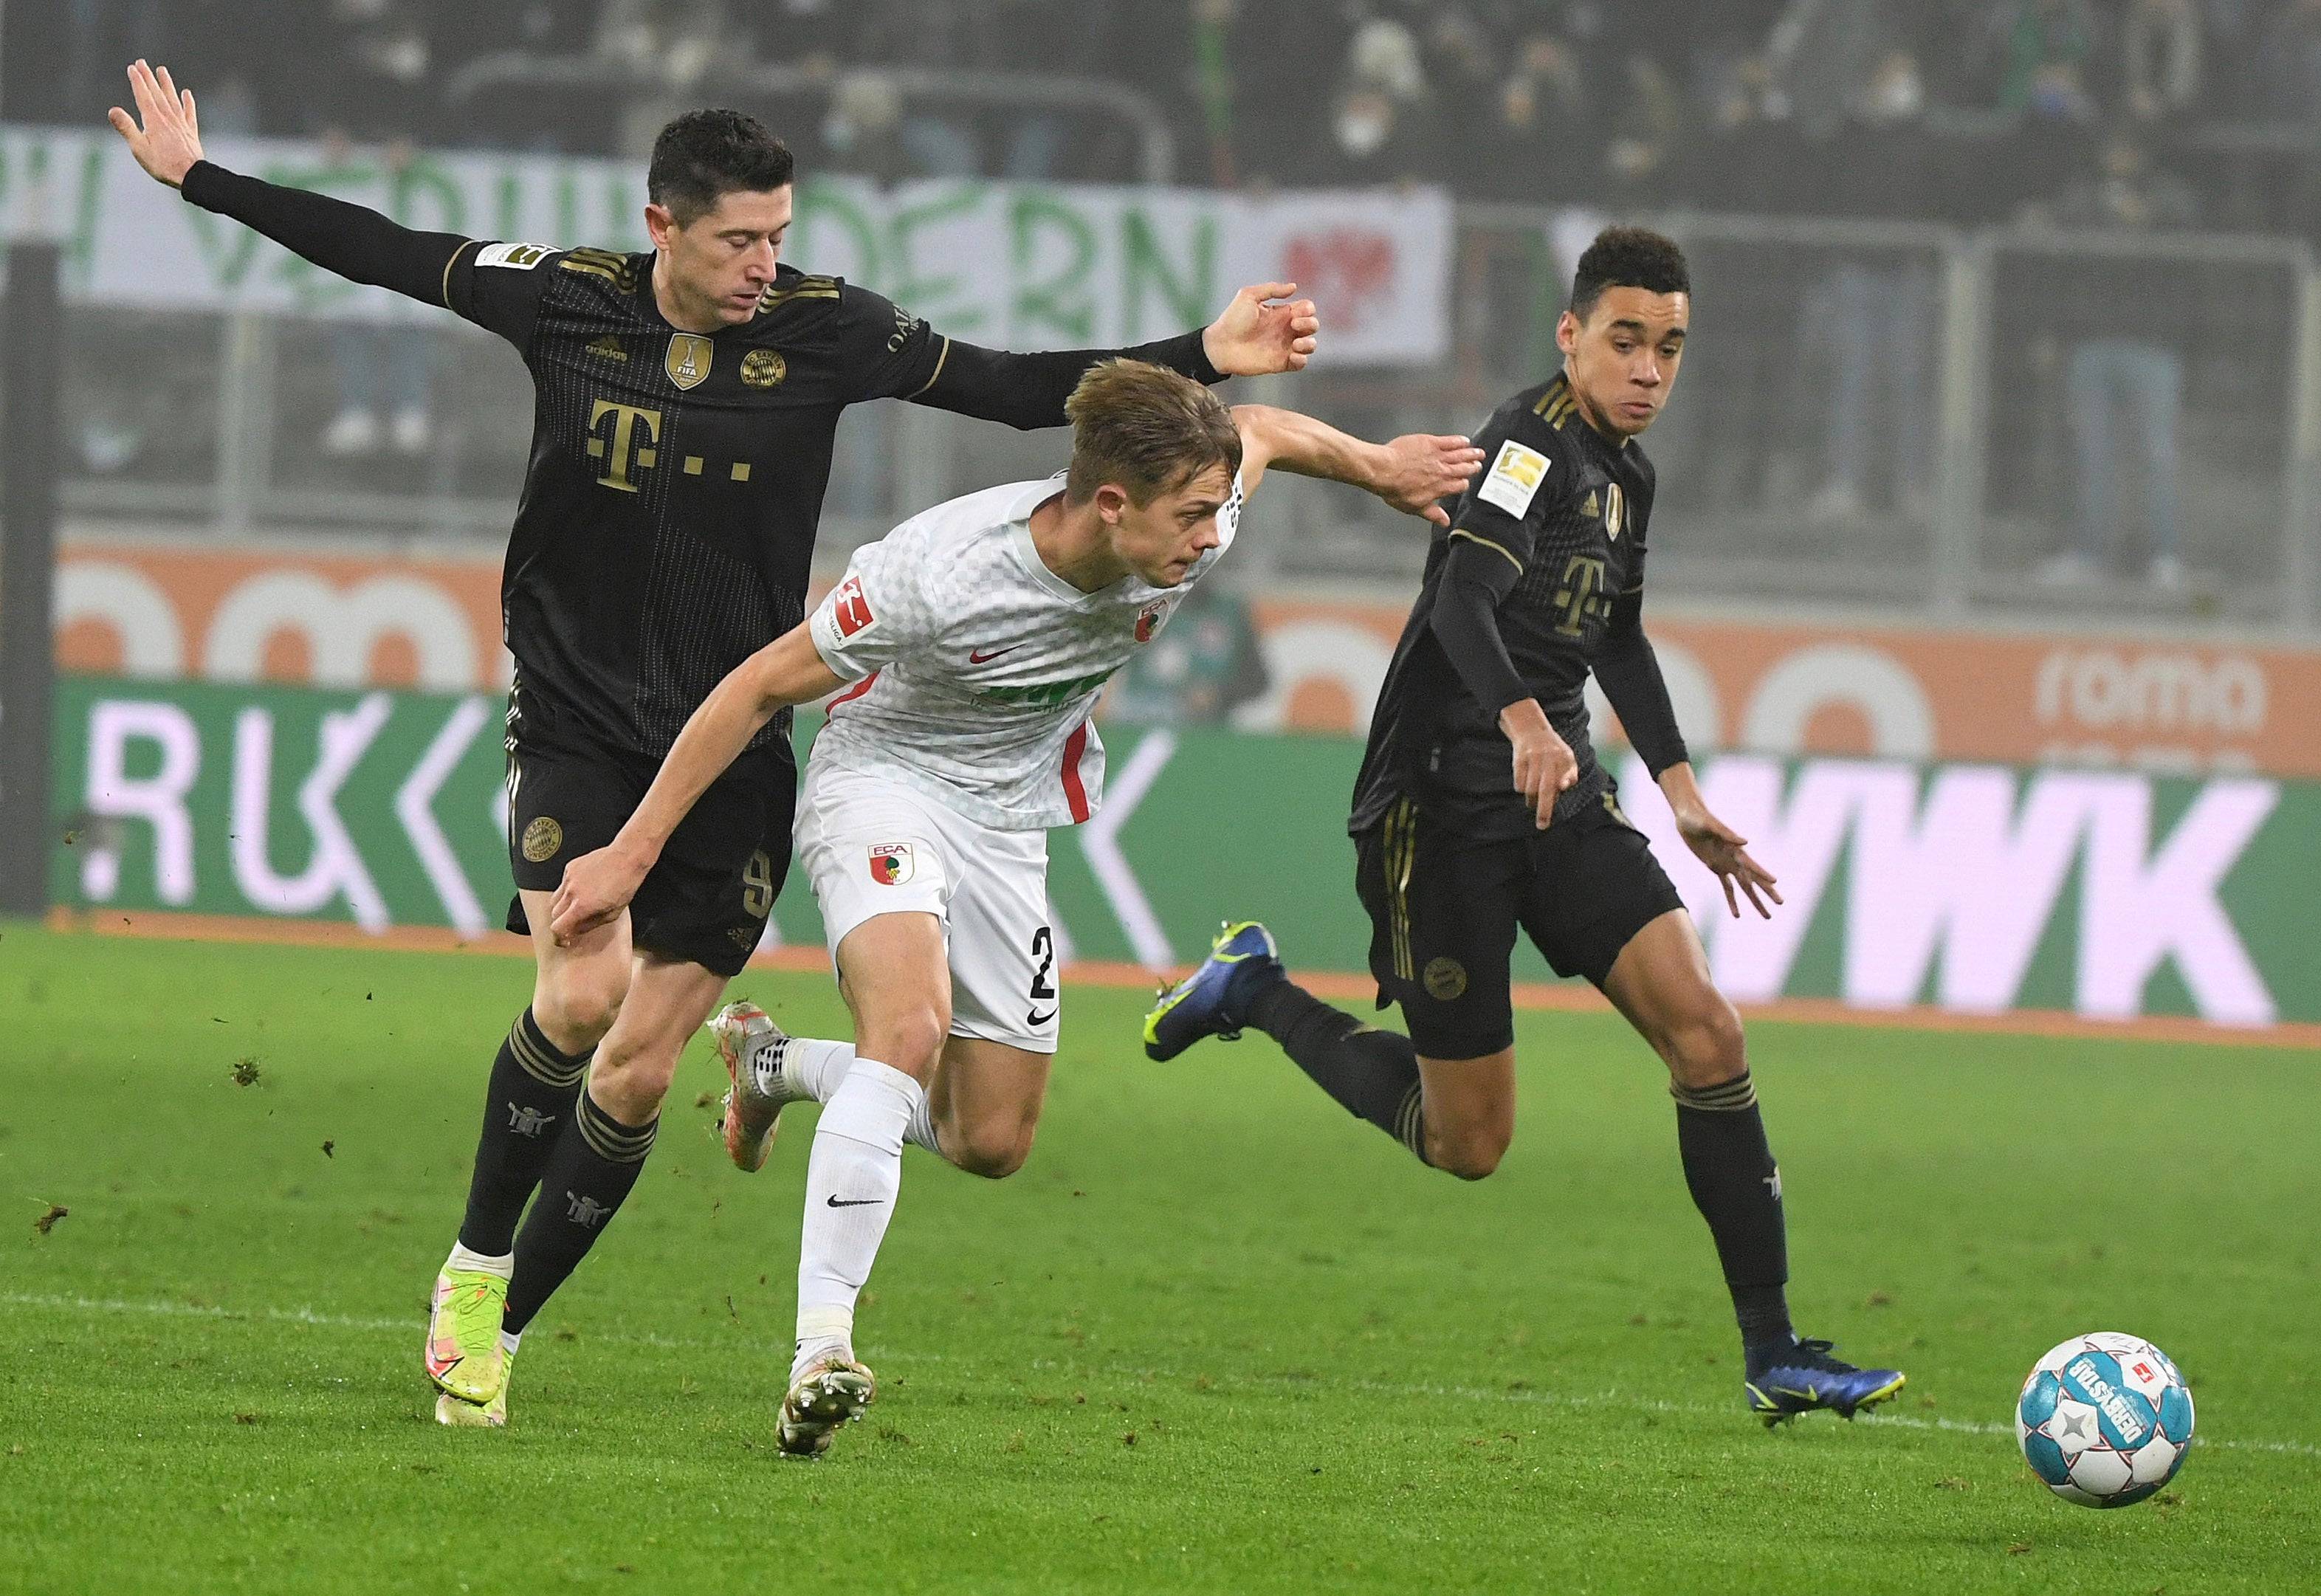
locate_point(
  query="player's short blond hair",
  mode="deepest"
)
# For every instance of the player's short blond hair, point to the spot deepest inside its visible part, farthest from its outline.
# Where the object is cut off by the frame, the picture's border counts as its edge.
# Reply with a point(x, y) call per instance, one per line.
point(1146, 430)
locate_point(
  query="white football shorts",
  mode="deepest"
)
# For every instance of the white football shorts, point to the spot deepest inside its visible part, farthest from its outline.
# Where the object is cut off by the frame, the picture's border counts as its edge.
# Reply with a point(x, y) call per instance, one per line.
point(872, 846)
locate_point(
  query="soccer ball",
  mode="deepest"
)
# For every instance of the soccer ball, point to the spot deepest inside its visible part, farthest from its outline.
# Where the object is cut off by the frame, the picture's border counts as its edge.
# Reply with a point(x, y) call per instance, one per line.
point(2105, 1419)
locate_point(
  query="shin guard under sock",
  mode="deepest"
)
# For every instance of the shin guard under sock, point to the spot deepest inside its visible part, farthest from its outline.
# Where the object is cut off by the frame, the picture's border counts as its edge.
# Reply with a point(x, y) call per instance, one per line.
point(526, 1111)
point(1737, 1187)
point(1373, 1074)
point(591, 1170)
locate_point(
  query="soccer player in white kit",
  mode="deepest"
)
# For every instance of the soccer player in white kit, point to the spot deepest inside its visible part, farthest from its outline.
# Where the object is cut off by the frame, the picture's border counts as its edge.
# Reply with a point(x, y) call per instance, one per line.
point(977, 638)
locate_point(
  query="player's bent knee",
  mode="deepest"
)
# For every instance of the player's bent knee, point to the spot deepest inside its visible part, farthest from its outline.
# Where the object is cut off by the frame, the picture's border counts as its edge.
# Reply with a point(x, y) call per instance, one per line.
point(910, 1040)
point(1471, 1155)
point(994, 1152)
point(1709, 1048)
point(578, 1008)
point(630, 1079)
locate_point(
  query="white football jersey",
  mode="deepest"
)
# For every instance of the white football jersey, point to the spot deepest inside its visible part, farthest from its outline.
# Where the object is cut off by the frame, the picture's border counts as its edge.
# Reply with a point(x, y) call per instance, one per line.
point(975, 667)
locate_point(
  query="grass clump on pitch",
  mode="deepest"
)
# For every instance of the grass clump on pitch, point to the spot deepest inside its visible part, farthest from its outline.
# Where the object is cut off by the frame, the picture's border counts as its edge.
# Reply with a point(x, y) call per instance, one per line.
point(1216, 1337)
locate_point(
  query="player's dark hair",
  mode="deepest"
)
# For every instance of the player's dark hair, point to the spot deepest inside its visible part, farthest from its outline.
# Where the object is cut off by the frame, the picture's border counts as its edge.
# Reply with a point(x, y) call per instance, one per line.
point(704, 156)
point(1628, 258)
point(1146, 430)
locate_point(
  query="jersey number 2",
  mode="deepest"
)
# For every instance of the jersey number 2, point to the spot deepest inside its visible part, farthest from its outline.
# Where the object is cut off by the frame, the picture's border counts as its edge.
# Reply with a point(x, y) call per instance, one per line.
point(1043, 990)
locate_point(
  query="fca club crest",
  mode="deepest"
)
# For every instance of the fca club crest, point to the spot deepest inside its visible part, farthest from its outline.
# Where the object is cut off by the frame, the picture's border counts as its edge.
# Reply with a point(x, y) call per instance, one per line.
point(890, 863)
point(1150, 619)
point(689, 358)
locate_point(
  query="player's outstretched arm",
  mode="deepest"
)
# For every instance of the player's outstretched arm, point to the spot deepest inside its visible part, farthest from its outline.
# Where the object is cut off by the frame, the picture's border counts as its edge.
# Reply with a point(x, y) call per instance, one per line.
point(356, 243)
point(1261, 330)
point(1411, 473)
point(596, 887)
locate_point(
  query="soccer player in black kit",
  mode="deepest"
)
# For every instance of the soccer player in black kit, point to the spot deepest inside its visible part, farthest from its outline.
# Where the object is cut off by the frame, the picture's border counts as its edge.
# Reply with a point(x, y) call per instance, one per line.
point(1481, 808)
point(685, 401)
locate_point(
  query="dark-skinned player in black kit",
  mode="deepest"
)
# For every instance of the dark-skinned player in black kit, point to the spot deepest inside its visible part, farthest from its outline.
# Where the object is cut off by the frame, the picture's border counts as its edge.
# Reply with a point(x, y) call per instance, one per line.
point(684, 404)
point(1481, 808)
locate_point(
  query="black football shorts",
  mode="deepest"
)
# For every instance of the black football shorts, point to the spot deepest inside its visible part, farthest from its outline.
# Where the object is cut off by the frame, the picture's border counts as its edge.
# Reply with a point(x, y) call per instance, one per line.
point(706, 900)
point(1445, 910)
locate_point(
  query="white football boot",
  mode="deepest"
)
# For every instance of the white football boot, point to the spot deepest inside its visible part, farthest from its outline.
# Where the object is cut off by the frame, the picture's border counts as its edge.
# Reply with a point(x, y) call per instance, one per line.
point(750, 1044)
point(831, 1391)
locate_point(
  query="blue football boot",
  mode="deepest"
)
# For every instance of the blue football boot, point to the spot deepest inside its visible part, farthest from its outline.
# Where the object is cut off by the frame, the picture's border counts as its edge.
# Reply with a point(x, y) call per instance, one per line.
point(1801, 1377)
point(1208, 1002)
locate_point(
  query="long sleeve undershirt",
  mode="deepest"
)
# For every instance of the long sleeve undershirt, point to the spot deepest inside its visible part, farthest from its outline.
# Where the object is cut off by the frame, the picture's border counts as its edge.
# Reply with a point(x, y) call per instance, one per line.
point(353, 240)
point(1477, 578)
point(357, 243)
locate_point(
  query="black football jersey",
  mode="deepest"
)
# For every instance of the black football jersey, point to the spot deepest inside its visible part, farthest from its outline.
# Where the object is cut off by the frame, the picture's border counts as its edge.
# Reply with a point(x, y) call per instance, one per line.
point(667, 526)
point(1568, 508)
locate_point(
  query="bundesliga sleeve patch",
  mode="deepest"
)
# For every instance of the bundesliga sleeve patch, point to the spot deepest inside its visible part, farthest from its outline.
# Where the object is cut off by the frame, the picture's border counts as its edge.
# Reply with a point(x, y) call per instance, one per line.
point(849, 609)
point(520, 257)
point(1514, 478)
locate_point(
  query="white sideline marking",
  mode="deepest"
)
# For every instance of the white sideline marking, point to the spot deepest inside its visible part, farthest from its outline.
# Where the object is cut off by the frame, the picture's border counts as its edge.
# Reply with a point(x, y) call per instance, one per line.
point(1605, 1399)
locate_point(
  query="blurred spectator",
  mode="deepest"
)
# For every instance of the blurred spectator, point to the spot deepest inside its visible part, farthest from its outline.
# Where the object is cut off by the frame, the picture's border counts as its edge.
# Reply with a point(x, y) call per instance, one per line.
point(1463, 66)
point(375, 82)
point(1824, 59)
point(1646, 133)
point(382, 373)
point(1378, 128)
point(862, 129)
point(1543, 144)
point(1877, 318)
point(2160, 51)
point(2047, 46)
point(673, 40)
point(1205, 664)
point(377, 87)
point(2135, 384)
point(666, 46)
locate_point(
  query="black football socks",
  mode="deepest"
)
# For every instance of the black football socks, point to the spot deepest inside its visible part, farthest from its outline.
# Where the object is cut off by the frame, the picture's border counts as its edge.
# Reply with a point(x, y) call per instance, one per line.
point(590, 1170)
point(1737, 1187)
point(527, 1111)
point(1373, 1074)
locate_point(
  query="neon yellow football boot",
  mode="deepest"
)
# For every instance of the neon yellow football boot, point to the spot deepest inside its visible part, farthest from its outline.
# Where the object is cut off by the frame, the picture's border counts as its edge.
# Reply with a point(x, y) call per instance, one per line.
point(463, 1336)
point(492, 1414)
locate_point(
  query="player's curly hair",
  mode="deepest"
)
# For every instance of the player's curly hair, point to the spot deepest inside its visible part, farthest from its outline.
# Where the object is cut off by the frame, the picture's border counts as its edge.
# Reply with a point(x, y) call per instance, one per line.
point(1628, 258)
point(1146, 430)
point(704, 156)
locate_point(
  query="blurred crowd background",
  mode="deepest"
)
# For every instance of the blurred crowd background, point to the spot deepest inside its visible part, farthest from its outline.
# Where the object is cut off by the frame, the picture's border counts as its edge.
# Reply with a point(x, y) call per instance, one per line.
point(2160, 112)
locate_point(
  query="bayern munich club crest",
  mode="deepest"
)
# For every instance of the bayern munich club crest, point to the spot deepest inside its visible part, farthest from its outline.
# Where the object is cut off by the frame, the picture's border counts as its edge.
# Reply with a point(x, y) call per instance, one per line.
point(1150, 619)
point(891, 864)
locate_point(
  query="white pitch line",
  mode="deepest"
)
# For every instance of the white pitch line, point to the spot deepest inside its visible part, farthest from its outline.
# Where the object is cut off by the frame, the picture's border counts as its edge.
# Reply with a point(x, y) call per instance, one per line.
point(1613, 1398)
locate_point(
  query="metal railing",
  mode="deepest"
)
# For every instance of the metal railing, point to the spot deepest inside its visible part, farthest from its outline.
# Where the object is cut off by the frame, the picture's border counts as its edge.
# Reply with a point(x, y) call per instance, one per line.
point(1906, 418)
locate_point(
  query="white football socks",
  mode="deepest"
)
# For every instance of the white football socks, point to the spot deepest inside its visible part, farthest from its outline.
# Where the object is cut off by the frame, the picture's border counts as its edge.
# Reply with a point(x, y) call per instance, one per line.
point(808, 1067)
point(502, 1266)
point(851, 1179)
point(804, 1067)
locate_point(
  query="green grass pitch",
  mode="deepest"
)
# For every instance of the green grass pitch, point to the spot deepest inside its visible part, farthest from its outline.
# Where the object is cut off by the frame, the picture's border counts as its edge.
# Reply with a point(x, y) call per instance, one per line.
point(1218, 1336)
